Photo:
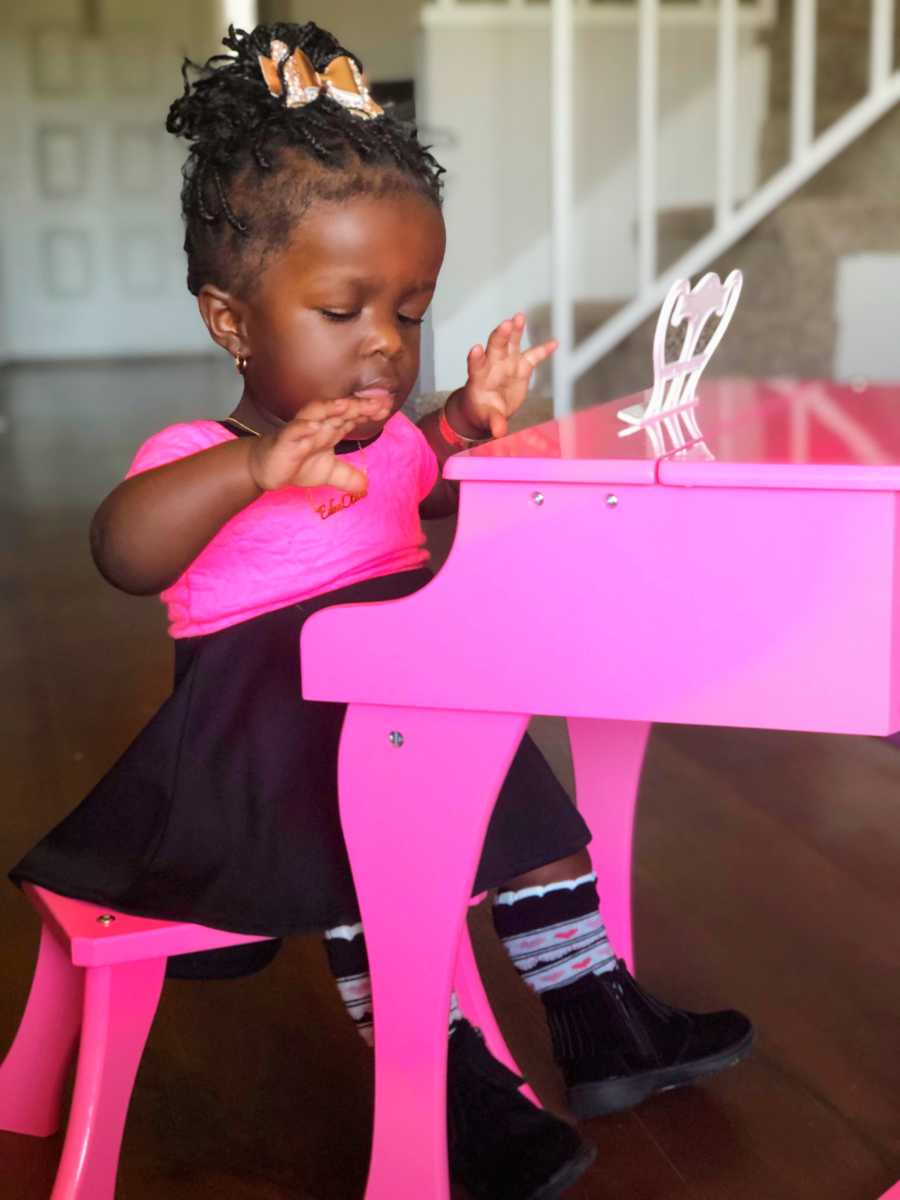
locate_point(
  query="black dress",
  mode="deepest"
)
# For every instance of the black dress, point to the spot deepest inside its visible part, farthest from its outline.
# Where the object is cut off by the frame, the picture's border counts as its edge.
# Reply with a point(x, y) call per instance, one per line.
point(224, 810)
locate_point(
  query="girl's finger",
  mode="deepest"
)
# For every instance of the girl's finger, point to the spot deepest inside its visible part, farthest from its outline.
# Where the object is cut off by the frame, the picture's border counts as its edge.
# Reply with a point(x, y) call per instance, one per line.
point(518, 329)
point(477, 360)
point(343, 406)
point(538, 354)
point(348, 478)
point(318, 410)
point(325, 434)
point(299, 431)
point(368, 406)
point(310, 417)
point(498, 342)
point(334, 431)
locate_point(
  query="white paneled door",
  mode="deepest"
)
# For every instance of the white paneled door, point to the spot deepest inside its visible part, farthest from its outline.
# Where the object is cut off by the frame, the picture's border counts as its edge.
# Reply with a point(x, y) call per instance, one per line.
point(92, 263)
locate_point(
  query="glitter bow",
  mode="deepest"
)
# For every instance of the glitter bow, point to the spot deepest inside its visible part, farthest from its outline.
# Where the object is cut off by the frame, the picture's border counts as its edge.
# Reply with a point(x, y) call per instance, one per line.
point(294, 78)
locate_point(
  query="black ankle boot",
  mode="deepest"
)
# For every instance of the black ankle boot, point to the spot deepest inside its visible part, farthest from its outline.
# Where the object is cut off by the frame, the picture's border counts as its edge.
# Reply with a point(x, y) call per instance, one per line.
point(617, 1045)
point(501, 1147)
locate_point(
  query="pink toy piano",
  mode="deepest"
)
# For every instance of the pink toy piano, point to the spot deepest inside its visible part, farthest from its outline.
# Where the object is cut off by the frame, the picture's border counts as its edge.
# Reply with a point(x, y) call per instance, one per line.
point(727, 556)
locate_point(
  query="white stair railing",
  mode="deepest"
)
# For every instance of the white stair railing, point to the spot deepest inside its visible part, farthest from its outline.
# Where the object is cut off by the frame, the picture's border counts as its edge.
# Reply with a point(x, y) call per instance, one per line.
point(808, 154)
point(607, 13)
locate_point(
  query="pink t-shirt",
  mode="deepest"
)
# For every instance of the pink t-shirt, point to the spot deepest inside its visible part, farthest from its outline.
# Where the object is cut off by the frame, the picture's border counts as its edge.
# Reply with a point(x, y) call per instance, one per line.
point(297, 542)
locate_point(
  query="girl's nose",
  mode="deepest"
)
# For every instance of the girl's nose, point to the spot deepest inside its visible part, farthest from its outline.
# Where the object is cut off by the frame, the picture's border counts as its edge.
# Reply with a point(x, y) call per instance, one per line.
point(385, 338)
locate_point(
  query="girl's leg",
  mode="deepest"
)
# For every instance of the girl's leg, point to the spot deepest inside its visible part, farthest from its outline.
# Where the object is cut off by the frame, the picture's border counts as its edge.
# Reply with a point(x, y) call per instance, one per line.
point(616, 1044)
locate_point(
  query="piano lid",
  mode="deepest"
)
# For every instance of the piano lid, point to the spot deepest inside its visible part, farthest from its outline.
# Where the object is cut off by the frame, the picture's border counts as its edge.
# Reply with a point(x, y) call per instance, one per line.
point(754, 433)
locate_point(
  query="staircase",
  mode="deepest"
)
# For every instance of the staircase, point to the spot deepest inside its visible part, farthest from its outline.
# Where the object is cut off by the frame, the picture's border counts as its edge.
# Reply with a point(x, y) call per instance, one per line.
point(828, 188)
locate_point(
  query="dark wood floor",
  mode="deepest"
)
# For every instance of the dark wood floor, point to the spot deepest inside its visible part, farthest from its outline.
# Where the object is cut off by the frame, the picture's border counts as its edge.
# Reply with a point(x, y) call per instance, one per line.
point(766, 878)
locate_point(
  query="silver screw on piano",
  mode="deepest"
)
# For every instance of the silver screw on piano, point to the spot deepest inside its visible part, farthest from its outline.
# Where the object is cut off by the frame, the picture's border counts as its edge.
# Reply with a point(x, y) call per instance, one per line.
point(106, 919)
point(395, 737)
point(538, 498)
point(612, 501)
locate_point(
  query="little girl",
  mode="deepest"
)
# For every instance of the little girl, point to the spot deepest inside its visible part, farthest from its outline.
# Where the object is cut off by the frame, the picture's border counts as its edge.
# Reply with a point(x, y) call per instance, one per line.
point(314, 240)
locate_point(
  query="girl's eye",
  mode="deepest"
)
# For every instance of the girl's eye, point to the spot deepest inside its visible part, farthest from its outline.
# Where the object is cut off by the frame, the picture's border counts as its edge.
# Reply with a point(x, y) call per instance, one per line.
point(331, 315)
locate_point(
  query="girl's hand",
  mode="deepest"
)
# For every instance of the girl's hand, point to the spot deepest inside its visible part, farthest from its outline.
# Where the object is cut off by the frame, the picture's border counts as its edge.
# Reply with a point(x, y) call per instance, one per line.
point(302, 453)
point(498, 381)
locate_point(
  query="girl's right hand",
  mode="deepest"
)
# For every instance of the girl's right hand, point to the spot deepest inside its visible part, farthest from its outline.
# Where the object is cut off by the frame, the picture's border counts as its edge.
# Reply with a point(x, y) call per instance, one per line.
point(301, 454)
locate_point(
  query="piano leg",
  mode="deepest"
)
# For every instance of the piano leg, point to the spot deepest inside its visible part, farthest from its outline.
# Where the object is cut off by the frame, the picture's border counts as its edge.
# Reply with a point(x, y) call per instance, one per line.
point(607, 757)
point(476, 1007)
point(417, 787)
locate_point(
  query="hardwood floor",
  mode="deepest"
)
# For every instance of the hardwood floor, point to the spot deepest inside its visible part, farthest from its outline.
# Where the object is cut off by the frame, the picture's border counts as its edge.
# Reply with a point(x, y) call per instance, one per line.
point(766, 878)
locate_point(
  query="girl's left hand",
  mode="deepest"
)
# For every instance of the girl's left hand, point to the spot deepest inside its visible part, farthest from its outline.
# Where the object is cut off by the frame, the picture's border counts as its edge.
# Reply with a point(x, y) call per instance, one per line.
point(499, 375)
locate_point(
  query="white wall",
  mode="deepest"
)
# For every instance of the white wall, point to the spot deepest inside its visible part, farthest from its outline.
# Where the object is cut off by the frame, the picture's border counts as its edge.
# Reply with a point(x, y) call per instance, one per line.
point(866, 289)
point(484, 102)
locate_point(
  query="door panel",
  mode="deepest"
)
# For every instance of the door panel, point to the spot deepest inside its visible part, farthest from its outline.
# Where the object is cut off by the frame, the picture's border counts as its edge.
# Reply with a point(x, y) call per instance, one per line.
point(92, 262)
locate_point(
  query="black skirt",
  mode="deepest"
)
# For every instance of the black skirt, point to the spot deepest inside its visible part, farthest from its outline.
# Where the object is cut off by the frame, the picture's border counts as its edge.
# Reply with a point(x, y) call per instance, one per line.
point(224, 809)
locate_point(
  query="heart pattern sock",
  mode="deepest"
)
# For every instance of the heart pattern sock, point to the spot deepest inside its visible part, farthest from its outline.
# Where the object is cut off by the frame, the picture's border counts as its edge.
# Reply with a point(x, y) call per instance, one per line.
point(554, 934)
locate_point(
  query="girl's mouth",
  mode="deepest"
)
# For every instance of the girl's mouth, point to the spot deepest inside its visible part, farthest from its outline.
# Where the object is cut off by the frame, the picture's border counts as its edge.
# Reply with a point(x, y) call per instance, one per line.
point(375, 393)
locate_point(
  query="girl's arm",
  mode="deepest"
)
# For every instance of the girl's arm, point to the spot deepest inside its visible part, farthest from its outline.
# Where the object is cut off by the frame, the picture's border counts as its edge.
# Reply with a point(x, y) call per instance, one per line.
point(153, 525)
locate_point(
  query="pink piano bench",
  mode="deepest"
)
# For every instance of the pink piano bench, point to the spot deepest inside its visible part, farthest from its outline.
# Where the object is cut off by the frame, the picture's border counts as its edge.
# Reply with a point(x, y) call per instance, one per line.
point(96, 987)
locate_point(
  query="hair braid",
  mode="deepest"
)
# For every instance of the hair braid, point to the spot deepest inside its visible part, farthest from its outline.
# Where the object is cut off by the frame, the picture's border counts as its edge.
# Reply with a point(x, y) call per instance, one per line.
point(233, 220)
point(198, 188)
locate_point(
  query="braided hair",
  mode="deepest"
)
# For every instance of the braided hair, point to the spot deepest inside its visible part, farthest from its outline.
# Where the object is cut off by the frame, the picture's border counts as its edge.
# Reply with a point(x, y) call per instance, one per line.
point(255, 165)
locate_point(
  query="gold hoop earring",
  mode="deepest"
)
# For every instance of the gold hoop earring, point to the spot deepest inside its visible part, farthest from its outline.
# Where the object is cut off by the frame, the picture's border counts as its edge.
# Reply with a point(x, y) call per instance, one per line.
point(240, 364)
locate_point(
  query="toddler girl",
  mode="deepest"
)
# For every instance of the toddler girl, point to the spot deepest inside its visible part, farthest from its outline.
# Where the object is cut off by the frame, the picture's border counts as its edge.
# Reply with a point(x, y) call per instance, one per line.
point(314, 242)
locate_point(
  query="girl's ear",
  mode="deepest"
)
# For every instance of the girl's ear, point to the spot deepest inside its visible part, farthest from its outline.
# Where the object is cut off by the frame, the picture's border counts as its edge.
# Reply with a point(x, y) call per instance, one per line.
point(222, 314)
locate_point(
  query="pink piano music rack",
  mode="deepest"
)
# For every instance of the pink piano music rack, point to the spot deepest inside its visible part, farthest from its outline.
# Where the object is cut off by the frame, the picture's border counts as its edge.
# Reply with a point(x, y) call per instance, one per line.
point(744, 574)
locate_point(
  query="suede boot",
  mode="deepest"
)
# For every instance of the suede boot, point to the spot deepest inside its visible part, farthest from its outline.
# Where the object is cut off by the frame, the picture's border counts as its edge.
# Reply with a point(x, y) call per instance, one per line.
point(501, 1147)
point(616, 1044)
